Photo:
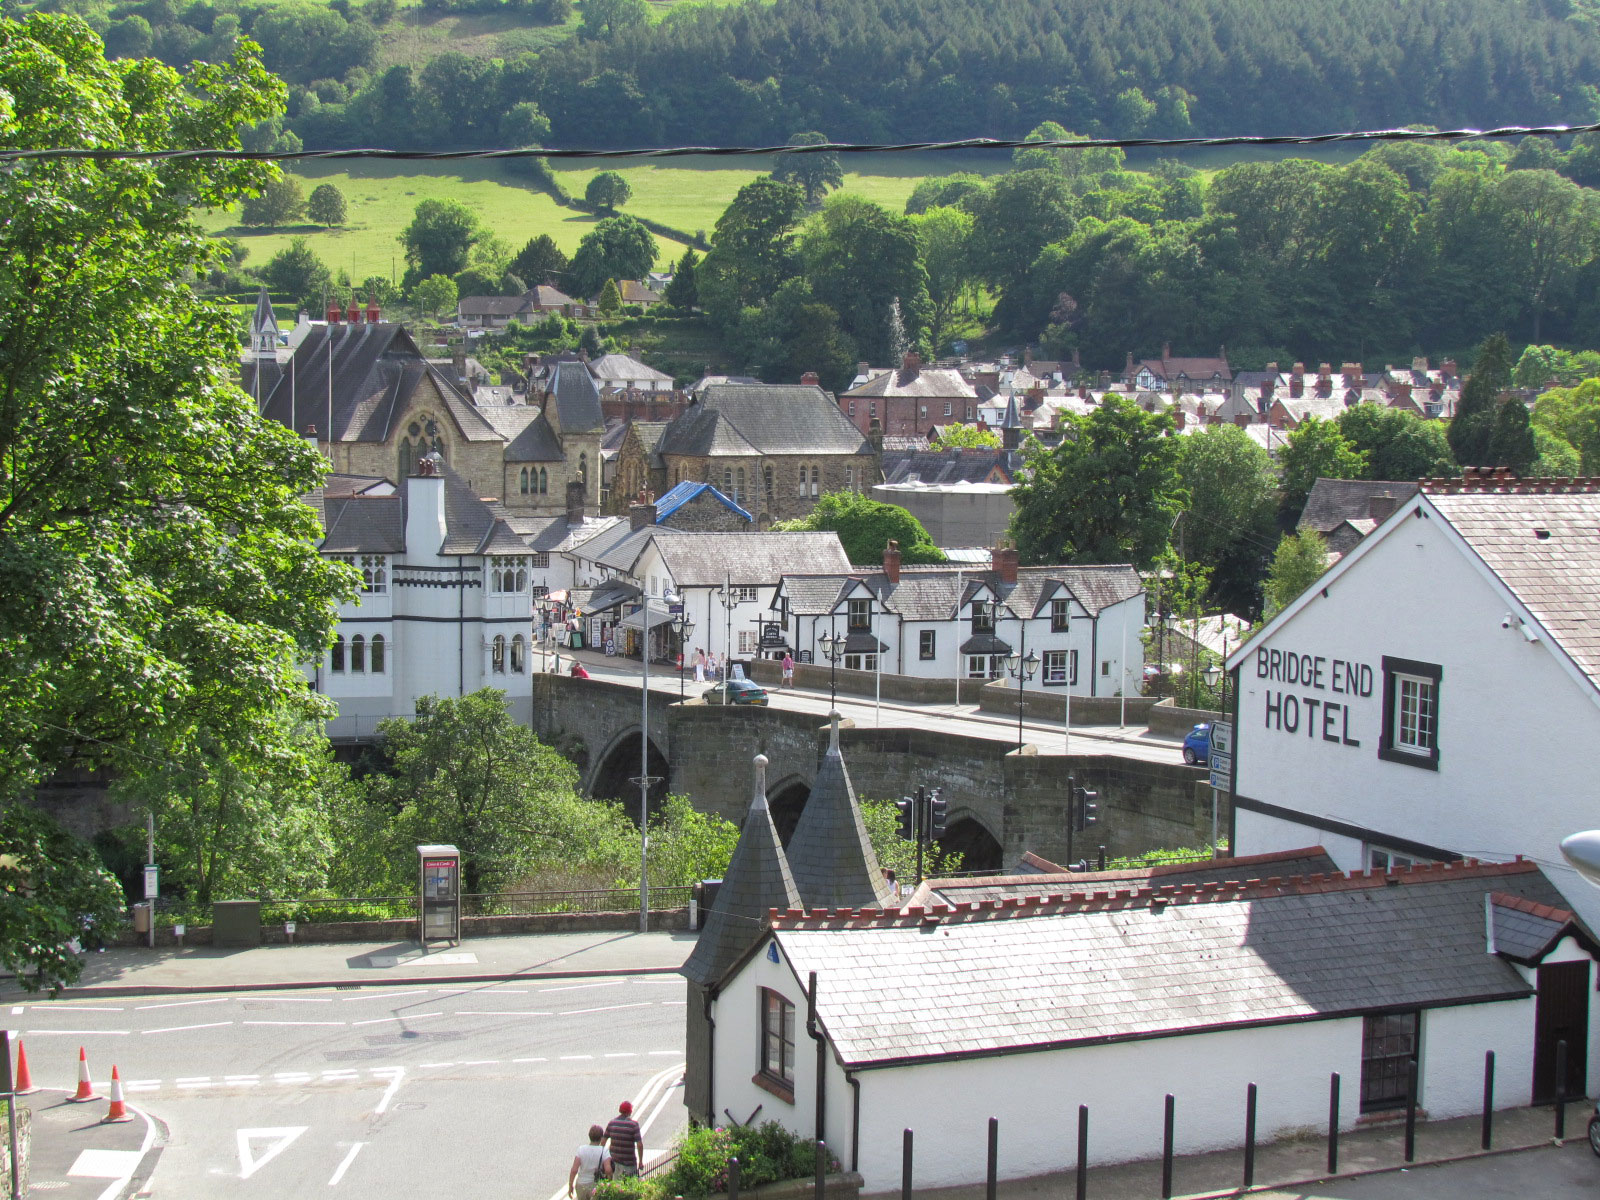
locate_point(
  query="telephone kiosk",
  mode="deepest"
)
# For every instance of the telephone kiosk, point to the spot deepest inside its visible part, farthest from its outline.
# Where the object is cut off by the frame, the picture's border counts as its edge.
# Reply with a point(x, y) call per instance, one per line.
point(440, 900)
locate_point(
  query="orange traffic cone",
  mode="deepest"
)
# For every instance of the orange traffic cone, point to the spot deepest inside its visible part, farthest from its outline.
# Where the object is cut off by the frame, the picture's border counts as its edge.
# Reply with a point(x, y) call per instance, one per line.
point(119, 1110)
point(24, 1078)
point(85, 1088)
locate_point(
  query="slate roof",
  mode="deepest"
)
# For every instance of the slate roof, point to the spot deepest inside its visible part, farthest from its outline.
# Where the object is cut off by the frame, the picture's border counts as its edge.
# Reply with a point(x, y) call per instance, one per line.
point(677, 496)
point(1542, 538)
point(491, 306)
point(1116, 966)
point(623, 368)
point(363, 525)
point(931, 593)
point(602, 543)
point(264, 318)
point(830, 854)
point(577, 399)
point(553, 533)
point(749, 419)
point(962, 465)
point(708, 559)
point(537, 442)
point(757, 880)
point(473, 525)
point(1042, 878)
point(934, 383)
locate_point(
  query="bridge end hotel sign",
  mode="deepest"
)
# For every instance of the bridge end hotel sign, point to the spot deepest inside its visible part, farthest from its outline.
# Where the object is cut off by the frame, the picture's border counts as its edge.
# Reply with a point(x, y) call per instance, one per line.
point(1315, 693)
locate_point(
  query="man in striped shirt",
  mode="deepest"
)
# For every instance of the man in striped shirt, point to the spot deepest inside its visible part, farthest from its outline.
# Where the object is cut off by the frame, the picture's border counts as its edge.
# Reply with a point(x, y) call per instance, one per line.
point(626, 1141)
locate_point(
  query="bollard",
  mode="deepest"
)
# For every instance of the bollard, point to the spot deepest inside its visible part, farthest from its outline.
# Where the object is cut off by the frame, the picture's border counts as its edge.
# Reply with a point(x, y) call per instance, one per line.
point(1102, 858)
point(992, 1179)
point(1487, 1136)
point(1411, 1111)
point(822, 1169)
point(905, 1166)
point(1083, 1152)
point(1166, 1149)
point(1561, 1091)
point(733, 1179)
point(1250, 1136)
point(1333, 1123)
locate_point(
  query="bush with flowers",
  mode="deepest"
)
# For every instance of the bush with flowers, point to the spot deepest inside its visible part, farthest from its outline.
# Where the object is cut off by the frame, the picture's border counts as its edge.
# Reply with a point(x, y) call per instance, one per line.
point(766, 1154)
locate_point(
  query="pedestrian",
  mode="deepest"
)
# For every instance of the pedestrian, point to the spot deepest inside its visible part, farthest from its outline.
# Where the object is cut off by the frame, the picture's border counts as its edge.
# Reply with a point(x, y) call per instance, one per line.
point(578, 672)
point(711, 665)
point(699, 665)
point(788, 669)
point(589, 1165)
point(625, 1141)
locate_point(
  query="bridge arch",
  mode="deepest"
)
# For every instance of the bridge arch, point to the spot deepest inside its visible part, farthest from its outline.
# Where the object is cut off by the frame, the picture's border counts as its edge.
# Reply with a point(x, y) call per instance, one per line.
point(618, 765)
point(969, 835)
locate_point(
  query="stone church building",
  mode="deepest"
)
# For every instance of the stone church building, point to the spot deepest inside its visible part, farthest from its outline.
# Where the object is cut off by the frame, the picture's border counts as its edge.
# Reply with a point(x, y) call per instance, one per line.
point(376, 405)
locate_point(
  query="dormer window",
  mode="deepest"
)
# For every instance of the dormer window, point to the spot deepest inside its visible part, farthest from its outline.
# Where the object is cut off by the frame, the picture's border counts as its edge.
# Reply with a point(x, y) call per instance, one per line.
point(983, 616)
point(860, 619)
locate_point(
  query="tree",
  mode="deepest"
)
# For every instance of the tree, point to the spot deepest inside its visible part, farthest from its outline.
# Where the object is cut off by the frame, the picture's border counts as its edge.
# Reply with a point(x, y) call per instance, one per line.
point(608, 190)
point(540, 261)
point(435, 295)
point(1014, 219)
point(1109, 493)
point(1472, 429)
point(279, 202)
point(814, 173)
point(1552, 230)
point(944, 238)
point(616, 248)
point(601, 19)
point(954, 436)
point(439, 239)
point(865, 527)
point(944, 191)
point(861, 260)
point(1397, 444)
point(1229, 524)
point(299, 273)
point(326, 205)
point(752, 250)
point(1315, 450)
point(1298, 562)
point(524, 125)
point(53, 891)
point(1572, 416)
point(682, 294)
point(1511, 443)
point(464, 772)
point(156, 556)
point(610, 299)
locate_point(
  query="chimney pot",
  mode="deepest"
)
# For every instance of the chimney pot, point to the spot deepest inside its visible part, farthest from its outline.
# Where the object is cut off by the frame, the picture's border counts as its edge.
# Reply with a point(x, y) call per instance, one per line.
point(1004, 562)
point(575, 502)
point(891, 561)
point(812, 379)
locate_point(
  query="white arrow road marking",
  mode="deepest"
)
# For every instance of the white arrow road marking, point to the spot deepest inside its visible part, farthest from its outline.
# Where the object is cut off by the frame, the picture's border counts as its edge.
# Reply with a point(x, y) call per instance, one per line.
point(279, 1137)
point(355, 1149)
point(396, 1077)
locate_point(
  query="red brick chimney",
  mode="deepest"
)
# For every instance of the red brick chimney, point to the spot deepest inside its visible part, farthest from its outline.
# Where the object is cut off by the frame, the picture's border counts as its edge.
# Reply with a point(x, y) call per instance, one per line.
point(811, 379)
point(911, 363)
point(1297, 380)
point(334, 312)
point(1448, 368)
point(891, 561)
point(373, 311)
point(354, 315)
point(1004, 563)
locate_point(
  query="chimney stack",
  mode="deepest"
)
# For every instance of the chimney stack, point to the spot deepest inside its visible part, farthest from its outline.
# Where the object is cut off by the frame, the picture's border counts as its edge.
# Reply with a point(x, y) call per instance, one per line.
point(1448, 368)
point(334, 314)
point(911, 364)
point(373, 311)
point(891, 561)
point(1004, 562)
point(811, 379)
point(574, 502)
point(1297, 380)
point(641, 515)
point(354, 315)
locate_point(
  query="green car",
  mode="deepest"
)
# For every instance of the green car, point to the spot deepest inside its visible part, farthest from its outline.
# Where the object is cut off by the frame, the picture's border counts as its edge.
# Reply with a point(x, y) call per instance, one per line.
point(736, 691)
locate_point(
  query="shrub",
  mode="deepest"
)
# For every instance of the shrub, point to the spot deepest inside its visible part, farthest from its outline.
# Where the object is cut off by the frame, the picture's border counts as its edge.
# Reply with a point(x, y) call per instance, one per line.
point(766, 1154)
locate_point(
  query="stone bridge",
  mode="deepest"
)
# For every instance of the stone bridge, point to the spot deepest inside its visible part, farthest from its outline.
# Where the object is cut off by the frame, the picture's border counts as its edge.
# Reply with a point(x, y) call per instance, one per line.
point(1001, 803)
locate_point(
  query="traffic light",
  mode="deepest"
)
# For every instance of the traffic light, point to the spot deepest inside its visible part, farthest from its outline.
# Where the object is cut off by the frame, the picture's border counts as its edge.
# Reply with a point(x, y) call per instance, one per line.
point(1088, 809)
point(908, 817)
point(938, 806)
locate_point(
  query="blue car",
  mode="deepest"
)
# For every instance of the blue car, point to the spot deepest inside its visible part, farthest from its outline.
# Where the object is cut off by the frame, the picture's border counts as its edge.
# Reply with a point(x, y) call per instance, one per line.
point(1197, 746)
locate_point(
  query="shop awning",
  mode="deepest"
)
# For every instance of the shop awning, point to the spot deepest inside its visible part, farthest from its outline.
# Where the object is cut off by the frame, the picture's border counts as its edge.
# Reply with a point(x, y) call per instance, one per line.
point(658, 616)
point(610, 594)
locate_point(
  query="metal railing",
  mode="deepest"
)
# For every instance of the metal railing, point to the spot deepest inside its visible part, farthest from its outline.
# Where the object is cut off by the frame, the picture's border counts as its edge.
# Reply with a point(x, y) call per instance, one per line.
point(594, 900)
point(315, 910)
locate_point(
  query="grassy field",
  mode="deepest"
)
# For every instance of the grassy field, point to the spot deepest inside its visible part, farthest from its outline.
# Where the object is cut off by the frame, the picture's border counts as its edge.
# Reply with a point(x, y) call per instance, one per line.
point(680, 193)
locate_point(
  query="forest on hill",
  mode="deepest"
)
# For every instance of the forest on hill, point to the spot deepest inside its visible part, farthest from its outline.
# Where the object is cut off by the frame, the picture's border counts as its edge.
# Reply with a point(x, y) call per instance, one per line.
point(866, 70)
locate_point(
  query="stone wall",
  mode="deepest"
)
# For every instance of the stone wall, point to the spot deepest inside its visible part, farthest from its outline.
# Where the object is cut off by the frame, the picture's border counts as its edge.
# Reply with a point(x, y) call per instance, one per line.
point(1166, 717)
point(24, 1153)
point(1000, 696)
point(321, 932)
point(863, 683)
point(786, 501)
point(706, 514)
point(81, 802)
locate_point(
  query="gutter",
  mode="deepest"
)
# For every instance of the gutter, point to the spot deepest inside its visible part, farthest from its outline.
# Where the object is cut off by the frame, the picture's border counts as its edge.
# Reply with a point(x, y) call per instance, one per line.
point(822, 1058)
point(711, 1051)
point(855, 1119)
point(1094, 655)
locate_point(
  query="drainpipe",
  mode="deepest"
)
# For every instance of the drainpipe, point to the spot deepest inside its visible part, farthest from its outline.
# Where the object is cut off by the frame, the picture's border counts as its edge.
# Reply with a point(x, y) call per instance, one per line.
point(855, 1120)
point(711, 1053)
point(1094, 655)
point(461, 625)
point(822, 1058)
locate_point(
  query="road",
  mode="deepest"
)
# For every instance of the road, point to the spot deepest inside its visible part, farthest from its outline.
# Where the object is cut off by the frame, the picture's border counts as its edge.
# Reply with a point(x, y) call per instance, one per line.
point(1548, 1174)
point(967, 720)
point(476, 1090)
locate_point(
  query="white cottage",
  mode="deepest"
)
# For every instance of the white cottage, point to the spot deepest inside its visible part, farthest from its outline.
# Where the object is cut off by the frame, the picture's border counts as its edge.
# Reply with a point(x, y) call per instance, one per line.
point(1436, 695)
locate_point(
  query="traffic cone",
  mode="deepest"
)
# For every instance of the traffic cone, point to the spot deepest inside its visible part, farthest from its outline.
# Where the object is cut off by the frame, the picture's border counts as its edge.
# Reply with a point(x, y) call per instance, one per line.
point(24, 1078)
point(85, 1088)
point(119, 1110)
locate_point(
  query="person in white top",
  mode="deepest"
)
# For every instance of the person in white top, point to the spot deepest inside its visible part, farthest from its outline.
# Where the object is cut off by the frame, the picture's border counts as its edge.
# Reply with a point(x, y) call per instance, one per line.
point(589, 1165)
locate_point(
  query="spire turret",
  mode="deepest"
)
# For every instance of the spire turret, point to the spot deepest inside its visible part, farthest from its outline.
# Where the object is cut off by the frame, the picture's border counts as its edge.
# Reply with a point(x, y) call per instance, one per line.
point(830, 854)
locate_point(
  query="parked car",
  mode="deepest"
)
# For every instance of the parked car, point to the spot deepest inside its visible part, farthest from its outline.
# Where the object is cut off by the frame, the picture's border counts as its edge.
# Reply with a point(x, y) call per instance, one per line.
point(1197, 746)
point(736, 691)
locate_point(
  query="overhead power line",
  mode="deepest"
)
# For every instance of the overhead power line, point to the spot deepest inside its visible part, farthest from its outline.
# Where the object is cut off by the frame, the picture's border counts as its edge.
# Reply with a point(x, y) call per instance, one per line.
point(1184, 143)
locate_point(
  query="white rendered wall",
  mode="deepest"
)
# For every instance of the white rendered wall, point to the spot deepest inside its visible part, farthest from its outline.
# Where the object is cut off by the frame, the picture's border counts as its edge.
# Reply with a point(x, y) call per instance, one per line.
point(1516, 732)
point(1258, 833)
point(1450, 1068)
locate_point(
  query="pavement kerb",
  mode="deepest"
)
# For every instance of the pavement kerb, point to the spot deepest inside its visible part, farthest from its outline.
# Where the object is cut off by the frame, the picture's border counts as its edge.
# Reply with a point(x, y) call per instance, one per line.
point(161, 989)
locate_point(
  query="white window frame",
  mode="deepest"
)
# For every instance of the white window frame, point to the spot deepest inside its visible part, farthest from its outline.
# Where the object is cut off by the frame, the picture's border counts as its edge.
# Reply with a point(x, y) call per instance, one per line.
point(1060, 668)
point(860, 662)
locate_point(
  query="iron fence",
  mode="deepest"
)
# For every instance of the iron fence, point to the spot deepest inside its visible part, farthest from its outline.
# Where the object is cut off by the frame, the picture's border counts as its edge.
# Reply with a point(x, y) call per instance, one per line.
point(594, 900)
point(314, 910)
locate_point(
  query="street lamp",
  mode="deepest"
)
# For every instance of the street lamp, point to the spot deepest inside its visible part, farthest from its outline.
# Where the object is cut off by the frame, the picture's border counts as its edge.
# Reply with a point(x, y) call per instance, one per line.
point(833, 650)
point(684, 628)
point(1021, 669)
point(727, 598)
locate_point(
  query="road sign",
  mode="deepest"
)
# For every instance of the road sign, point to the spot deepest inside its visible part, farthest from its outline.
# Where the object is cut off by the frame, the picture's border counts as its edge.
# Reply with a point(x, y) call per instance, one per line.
point(1222, 738)
point(152, 881)
point(1221, 769)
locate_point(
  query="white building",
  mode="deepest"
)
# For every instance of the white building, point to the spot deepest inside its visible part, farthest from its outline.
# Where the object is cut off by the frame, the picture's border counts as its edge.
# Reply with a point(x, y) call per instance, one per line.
point(1437, 694)
point(1082, 622)
point(445, 604)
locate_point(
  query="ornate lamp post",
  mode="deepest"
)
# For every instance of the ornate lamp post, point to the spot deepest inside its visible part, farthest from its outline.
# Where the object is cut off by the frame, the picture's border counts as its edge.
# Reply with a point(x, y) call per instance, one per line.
point(833, 650)
point(1022, 670)
point(684, 628)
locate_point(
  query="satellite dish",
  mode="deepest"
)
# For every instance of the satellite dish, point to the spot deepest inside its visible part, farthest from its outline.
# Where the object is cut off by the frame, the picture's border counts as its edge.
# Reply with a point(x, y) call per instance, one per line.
point(1582, 850)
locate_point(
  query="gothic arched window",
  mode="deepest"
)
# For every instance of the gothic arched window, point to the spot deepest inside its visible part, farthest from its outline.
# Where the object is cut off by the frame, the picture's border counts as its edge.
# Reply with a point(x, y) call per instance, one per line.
point(377, 654)
point(497, 655)
point(336, 660)
point(523, 480)
point(544, 482)
point(358, 654)
point(519, 657)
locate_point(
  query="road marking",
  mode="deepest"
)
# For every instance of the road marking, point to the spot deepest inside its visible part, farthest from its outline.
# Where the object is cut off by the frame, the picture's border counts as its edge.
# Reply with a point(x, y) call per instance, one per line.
point(68, 1008)
point(397, 1074)
point(673, 1003)
point(339, 1075)
point(576, 1057)
point(296, 999)
point(407, 1017)
point(182, 1028)
point(235, 1078)
point(16, 1009)
point(291, 1076)
point(491, 1012)
point(183, 1003)
point(623, 1054)
point(291, 1022)
point(529, 1060)
point(75, 1032)
point(194, 1083)
point(661, 1105)
point(279, 1138)
point(152, 1085)
point(344, 1166)
point(573, 987)
point(375, 995)
point(575, 1012)
point(429, 1066)
point(666, 1053)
